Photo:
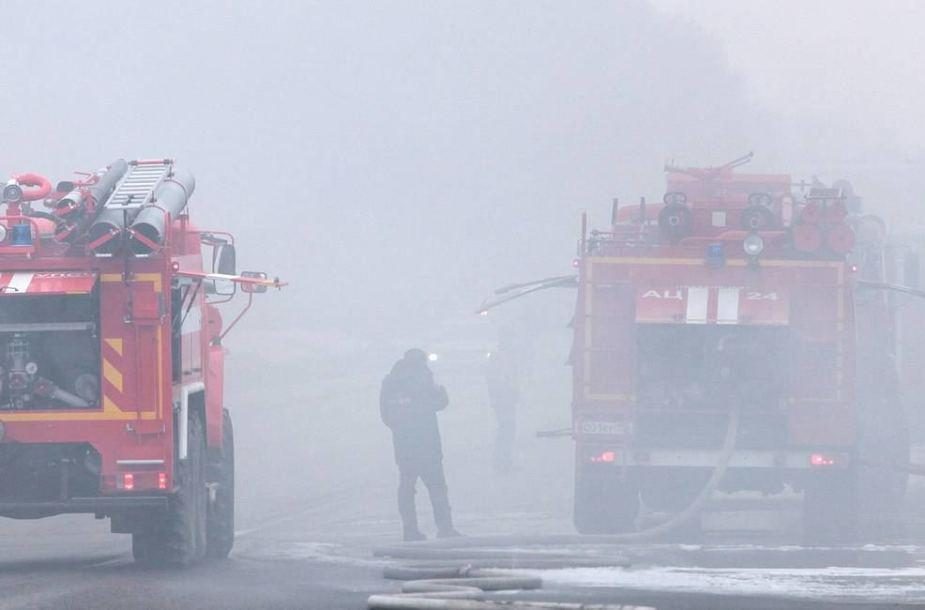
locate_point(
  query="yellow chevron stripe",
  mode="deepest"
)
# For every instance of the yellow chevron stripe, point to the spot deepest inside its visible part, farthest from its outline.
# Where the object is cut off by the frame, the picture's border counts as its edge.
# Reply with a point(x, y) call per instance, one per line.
point(112, 375)
point(115, 344)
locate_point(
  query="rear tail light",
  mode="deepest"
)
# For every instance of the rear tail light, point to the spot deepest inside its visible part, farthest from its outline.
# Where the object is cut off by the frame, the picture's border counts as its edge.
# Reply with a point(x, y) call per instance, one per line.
point(822, 460)
point(162, 480)
point(605, 457)
point(128, 481)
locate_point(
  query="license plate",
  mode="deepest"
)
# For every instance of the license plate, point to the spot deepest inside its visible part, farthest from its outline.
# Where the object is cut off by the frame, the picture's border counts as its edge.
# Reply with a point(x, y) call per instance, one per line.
point(611, 428)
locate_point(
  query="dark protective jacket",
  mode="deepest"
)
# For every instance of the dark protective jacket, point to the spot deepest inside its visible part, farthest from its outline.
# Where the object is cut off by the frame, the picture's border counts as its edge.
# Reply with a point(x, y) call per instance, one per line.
point(408, 403)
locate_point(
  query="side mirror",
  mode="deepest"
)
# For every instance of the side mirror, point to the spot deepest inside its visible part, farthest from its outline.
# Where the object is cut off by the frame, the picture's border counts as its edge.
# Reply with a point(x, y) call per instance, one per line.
point(223, 259)
point(253, 288)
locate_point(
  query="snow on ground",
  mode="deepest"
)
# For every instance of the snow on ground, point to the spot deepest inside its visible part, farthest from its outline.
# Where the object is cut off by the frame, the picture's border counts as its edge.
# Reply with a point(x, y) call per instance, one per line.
point(906, 585)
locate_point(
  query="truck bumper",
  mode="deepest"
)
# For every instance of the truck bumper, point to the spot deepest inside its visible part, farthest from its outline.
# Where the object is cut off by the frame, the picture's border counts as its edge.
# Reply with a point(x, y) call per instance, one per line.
point(692, 458)
point(105, 505)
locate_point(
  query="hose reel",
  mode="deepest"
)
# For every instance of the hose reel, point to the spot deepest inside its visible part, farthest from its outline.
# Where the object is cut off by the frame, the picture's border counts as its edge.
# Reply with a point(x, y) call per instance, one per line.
point(757, 218)
point(675, 222)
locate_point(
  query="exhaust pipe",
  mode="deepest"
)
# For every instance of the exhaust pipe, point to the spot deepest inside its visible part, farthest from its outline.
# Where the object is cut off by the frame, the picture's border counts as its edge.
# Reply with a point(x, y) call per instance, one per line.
point(147, 231)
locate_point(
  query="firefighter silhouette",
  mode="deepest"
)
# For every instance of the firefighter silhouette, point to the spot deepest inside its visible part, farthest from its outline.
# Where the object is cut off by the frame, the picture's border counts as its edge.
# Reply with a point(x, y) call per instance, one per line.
point(408, 404)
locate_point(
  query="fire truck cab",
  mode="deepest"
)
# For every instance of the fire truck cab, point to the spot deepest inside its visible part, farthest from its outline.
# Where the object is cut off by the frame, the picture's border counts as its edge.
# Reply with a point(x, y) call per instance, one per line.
point(111, 358)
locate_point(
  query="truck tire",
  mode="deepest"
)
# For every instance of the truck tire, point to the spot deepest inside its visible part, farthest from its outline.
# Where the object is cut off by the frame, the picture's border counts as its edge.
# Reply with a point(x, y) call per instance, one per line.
point(830, 509)
point(605, 503)
point(179, 538)
point(220, 522)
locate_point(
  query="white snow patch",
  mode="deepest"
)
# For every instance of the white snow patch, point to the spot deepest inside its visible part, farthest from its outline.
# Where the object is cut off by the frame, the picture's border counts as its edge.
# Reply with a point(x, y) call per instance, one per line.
point(906, 584)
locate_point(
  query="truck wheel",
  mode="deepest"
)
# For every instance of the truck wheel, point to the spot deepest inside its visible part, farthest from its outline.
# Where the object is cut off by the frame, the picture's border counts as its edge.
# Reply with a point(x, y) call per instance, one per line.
point(180, 538)
point(605, 503)
point(830, 509)
point(220, 523)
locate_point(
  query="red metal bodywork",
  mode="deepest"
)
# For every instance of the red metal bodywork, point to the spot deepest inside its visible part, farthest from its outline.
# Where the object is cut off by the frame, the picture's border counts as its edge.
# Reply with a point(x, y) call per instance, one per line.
point(630, 280)
point(812, 297)
point(133, 426)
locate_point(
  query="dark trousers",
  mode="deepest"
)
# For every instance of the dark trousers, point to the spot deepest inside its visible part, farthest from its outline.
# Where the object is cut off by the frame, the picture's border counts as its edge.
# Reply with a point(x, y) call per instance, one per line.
point(431, 473)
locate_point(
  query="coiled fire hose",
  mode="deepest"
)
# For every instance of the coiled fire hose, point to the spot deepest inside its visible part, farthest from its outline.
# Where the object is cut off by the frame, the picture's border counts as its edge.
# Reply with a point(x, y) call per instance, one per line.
point(439, 586)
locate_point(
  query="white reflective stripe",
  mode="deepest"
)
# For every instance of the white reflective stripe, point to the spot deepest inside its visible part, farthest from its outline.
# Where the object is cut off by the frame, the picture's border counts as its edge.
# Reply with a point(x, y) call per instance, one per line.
point(698, 298)
point(139, 462)
point(727, 311)
point(20, 282)
point(743, 458)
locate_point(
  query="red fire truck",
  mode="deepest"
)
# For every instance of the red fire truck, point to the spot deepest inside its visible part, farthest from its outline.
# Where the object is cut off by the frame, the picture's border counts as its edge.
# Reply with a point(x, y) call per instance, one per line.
point(111, 358)
point(720, 343)
point(730, 307)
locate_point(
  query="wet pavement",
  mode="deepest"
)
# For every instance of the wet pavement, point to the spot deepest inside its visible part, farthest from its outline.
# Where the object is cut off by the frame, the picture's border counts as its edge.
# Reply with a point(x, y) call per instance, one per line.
point(316, 496)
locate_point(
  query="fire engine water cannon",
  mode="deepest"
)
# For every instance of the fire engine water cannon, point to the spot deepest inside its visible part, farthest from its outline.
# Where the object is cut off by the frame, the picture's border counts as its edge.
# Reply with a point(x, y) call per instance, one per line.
point(723, 212)
point(23, 188)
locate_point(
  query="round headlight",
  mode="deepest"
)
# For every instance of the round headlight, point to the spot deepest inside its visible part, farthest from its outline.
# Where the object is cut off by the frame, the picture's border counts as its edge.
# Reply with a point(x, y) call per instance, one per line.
point(3, 232)
point(753, 244)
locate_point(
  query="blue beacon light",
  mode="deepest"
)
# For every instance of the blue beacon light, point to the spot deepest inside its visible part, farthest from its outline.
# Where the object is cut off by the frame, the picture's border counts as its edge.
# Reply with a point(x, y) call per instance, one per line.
point(21, 235)
point(716, 255)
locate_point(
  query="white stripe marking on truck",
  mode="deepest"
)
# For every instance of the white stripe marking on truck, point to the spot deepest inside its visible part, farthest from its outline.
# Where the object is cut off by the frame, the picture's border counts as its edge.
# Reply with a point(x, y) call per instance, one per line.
point(728, 307)
point(698, 298)
point(20, 283)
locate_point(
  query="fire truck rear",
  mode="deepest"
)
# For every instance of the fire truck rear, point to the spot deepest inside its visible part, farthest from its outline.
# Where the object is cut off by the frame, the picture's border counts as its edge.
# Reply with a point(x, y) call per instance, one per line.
point(717, 330)
point(111, 358)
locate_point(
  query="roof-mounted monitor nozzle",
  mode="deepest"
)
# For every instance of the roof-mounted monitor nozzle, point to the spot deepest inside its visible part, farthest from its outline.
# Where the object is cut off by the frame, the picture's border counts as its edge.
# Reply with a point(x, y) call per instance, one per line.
point(709, 172)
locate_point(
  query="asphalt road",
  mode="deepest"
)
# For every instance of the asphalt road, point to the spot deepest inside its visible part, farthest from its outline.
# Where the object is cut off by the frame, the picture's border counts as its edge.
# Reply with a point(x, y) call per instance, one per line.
point(316, 495)
point(72, 563)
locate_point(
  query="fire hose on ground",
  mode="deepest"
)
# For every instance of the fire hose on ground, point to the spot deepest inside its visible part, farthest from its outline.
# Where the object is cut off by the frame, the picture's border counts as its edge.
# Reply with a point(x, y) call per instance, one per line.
point(464, 589)
point(445, 586)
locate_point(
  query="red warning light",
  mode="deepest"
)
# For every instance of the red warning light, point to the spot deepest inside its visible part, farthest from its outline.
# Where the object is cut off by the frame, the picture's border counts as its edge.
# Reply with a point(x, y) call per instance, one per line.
point(821, 459)
point(605, 457)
